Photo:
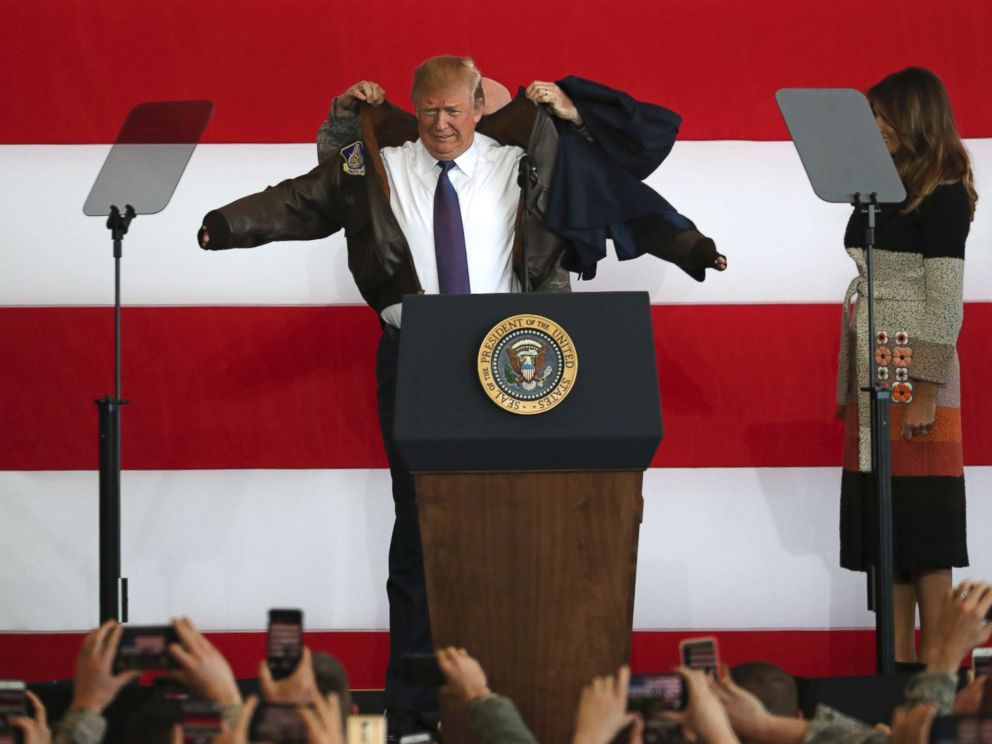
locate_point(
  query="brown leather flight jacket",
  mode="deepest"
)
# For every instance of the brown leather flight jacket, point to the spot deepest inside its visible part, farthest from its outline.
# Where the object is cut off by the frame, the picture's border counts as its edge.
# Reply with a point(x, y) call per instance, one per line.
point(329, 198)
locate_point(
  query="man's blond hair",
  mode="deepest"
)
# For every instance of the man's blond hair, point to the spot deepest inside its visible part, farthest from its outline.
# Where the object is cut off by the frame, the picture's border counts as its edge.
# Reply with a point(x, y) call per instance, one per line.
point(447, 73)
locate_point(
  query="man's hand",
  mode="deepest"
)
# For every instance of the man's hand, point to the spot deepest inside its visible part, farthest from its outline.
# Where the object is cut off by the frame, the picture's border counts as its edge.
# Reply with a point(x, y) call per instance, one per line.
point(95, 685)
point(366, 91)
point(961, 626)
point(921, 411)
point(555, 99)
point(323, 719)
point(238, 734)
point(747, 715)
point(204, 670)
point(465, 679)
point(912, 726)
point(35, 730)
point(602, 712)
point(297, 688)
point(204, 237)
point(705, 717)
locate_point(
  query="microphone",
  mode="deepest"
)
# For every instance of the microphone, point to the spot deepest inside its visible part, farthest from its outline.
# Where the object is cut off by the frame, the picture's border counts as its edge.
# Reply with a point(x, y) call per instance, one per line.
point(527, 175)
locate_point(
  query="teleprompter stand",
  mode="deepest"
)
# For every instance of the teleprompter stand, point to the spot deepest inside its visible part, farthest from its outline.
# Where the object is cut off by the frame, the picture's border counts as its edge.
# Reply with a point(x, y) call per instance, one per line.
point(847, 162)
point(143, 168)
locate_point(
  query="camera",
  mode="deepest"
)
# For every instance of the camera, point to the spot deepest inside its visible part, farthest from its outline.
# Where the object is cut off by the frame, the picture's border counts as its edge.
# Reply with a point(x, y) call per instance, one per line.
point(145, 647)
point(13, 703)
point(961, 730)
point(285, 641)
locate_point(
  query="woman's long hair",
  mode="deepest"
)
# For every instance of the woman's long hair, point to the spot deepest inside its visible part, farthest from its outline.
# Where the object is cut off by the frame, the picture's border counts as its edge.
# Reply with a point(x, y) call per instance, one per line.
point(915, 104)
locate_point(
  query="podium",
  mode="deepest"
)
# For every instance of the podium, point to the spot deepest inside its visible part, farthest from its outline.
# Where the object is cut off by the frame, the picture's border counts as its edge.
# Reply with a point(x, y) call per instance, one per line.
point(529, 523)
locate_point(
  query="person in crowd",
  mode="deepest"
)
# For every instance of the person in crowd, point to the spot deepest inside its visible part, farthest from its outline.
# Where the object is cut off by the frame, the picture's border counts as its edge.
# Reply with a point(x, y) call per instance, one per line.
point(319, 685)
point(318, 671)
point(961, 626)
point(94, 686)
point(918, 285)
point(772, 685)
point(493, 718)
point(430, 203)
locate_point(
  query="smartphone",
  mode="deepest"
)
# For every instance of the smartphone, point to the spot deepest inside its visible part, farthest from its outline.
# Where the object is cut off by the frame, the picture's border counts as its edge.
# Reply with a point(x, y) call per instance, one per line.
point(981, 661)
point(145, 647)
point(13, 702)
point(422, 670)
point(961, 730)
point(368, 730)
point(285, 641)
point(652, 693)
point(701, 654)
point(278, 723)
point(201, 721)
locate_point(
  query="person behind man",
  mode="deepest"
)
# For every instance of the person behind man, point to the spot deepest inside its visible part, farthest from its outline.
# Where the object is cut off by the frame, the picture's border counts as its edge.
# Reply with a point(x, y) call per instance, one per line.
point(771, 684)
point(430, 204)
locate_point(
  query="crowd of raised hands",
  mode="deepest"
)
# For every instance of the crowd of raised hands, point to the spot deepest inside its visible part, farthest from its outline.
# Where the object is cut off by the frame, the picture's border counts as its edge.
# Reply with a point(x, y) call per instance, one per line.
point(717, 710)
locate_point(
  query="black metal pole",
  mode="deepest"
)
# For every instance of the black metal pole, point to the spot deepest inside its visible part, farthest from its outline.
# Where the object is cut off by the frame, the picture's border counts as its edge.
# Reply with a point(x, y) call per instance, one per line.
point(113, 587)
point(882, 577)
point(113, 594)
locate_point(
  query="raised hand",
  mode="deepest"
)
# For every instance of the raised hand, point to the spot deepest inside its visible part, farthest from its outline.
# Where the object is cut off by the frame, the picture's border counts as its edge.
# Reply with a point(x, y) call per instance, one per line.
point(365, 91)
point(549, 94)
point(203, 669)
point(95, 684)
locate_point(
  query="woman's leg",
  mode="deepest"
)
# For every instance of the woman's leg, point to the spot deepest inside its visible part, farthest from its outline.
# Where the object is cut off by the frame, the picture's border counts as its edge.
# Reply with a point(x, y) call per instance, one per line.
point(931, 589)
point(904, 608)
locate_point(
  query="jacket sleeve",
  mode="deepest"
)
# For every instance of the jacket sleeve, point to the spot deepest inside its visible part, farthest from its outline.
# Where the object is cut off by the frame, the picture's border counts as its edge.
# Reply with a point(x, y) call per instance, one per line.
point(945, 220)
point(81, 727)
point(303, 208)
point(495, 720)
point(336, 132)
point(829, 726)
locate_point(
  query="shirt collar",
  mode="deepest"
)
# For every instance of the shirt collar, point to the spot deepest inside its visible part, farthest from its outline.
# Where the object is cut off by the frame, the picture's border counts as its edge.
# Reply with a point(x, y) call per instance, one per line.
point(465, 162)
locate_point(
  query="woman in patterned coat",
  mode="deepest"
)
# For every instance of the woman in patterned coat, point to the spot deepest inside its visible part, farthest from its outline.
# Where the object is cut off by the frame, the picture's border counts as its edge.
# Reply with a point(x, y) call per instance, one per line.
point(918, 281)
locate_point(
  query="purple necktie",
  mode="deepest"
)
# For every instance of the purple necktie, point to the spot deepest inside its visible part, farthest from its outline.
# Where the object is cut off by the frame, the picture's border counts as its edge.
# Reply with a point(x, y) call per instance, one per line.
point(449, 236)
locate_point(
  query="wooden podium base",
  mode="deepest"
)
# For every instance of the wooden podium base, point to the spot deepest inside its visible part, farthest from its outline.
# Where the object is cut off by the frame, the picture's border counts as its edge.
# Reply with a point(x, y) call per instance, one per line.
point(533, 573)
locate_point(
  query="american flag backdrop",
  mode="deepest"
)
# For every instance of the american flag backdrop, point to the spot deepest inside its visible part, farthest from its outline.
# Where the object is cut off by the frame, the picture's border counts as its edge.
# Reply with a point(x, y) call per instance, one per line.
point(254, 475)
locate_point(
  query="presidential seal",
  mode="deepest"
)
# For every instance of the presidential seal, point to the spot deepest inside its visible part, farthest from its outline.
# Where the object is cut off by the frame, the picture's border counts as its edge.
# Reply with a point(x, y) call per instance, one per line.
point(527, 364)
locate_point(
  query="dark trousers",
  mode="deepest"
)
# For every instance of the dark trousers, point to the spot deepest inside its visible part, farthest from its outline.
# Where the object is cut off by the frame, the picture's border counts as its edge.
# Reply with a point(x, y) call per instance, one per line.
point(409, 621)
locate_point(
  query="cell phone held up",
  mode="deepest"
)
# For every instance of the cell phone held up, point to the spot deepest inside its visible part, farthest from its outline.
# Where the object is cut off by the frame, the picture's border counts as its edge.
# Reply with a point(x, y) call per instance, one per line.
point(961, 730)
point(649, 694)
point(201, 721)
point(145, 647)
point(13, 703)
point(285, 641)
point(700, 654)
point(981, 661)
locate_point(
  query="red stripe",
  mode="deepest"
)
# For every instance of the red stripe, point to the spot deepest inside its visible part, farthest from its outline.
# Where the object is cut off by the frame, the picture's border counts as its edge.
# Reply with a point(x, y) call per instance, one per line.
point(37, 657)
point(278, 387)
point(75, 68)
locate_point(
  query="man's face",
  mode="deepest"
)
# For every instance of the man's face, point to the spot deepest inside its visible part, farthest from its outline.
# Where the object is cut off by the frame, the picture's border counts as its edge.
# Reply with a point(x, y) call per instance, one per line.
point(446, 123)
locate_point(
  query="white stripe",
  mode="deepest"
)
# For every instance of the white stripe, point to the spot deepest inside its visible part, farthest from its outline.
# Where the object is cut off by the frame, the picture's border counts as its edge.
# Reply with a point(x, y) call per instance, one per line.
point(719, 548)
point(753, 198)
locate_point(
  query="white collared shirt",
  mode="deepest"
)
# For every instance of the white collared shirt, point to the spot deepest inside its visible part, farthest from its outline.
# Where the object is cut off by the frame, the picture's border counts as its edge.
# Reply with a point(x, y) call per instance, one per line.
point(485, 179)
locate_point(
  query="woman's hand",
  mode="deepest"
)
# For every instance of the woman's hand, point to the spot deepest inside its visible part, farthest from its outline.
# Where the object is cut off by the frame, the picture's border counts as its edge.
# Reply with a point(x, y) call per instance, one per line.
point(554, 97)
point(921, 411)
